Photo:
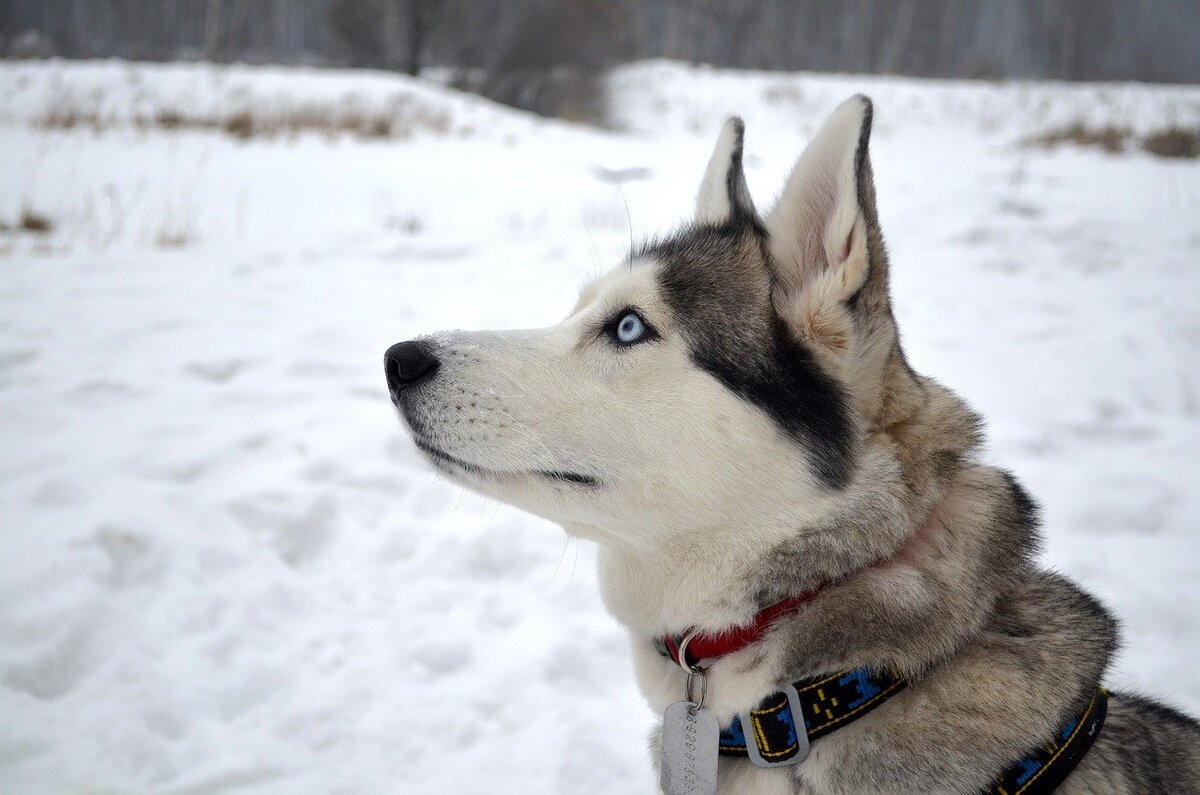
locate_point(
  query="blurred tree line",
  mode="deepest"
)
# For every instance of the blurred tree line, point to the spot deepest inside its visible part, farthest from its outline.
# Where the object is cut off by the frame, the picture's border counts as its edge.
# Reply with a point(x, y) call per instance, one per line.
point(540, 54)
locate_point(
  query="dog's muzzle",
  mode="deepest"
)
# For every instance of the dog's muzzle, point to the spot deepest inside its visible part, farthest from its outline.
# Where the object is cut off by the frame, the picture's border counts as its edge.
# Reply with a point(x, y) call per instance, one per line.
point(406, 364)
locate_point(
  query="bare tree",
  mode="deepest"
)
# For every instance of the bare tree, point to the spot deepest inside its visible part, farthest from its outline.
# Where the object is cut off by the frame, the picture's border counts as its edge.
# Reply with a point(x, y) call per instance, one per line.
point(1071, 39)
point(422, 17)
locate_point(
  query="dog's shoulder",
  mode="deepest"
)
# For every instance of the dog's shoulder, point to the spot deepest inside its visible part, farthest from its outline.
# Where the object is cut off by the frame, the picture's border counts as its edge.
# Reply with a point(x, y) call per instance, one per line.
point(1144, 747)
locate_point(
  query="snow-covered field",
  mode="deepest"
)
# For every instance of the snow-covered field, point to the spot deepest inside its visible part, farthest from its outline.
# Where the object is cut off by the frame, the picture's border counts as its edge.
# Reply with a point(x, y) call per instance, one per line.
point(223, 568)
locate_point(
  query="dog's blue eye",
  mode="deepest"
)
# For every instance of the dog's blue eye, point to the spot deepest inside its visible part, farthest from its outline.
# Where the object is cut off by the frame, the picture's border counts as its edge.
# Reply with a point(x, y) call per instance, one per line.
point(630, 328)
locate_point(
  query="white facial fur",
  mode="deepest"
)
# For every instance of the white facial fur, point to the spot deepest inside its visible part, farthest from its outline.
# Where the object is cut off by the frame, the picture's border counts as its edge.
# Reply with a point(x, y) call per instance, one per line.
point(683, 481)
point(772, 436)
point(674, 453)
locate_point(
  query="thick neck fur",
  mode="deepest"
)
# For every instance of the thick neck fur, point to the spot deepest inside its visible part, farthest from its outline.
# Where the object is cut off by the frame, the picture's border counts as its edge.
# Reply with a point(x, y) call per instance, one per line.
point(953, 536)
point(933, 557)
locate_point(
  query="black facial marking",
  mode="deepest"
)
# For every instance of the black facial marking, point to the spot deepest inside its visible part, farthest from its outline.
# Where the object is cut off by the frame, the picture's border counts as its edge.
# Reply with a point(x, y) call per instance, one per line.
point(717, 282)
point(741, 205)
point(861, 175)
point(798, 395)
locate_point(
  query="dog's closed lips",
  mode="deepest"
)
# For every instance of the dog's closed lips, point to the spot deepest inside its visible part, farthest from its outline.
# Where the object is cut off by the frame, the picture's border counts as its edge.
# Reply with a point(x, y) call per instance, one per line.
point(439, 455)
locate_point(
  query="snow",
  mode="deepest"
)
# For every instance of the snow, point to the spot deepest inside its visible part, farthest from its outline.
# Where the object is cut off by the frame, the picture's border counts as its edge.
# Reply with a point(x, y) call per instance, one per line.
point(223, 567)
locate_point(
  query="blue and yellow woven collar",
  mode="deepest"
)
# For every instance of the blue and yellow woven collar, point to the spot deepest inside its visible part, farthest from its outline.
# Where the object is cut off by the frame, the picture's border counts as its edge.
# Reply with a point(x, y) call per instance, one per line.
point(1045, 767)
point(828, 703)
point(825, 704)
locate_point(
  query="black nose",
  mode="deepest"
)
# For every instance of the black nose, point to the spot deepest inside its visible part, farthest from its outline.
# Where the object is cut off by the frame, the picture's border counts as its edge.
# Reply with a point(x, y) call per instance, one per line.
point(406, 363)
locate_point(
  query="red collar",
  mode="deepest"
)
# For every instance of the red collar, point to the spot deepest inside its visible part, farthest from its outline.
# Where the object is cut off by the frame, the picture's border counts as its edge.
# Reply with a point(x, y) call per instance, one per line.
point(699, 646)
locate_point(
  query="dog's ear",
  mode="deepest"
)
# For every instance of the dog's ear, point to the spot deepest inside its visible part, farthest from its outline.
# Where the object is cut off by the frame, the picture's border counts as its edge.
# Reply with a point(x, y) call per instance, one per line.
point(724, 196)
point(819, 229)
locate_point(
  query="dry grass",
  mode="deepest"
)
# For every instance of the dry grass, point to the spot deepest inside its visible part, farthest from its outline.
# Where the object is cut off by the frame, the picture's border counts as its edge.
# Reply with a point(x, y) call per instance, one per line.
point(1110, 139)
point(1171, 142)
point(169, 239)
point(34, 222)
point(399, 118)
point(66, 118)
point(169, 120)
point(240, 125)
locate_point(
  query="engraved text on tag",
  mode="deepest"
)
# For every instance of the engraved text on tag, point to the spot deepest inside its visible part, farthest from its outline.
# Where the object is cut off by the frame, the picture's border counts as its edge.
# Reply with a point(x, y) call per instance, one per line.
point(689, 745)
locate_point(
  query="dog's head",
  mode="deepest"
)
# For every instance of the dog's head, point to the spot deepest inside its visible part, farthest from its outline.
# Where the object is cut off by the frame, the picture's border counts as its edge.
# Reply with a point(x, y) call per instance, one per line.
point(735, 367)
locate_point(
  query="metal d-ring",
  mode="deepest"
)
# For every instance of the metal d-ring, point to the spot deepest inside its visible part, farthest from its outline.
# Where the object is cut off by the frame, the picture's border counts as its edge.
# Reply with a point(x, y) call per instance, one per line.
point(683, 644)
point(694, 704)
point(694, 672)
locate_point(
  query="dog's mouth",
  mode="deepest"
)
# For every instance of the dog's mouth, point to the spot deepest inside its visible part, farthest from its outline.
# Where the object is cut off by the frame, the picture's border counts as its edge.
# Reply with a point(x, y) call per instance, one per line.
point(444, 460)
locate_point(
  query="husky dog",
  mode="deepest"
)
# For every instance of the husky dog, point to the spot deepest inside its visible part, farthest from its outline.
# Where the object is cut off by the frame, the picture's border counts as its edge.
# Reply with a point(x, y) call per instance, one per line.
point(729, 415)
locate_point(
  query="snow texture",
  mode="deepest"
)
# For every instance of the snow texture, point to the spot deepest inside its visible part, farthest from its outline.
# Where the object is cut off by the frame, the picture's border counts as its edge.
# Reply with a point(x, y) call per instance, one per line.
point(224, 566)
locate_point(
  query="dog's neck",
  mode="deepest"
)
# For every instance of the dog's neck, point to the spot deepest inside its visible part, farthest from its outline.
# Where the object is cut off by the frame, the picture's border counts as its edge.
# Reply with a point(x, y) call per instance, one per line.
point(950, 536)
point(718, 578)
point(935, 586)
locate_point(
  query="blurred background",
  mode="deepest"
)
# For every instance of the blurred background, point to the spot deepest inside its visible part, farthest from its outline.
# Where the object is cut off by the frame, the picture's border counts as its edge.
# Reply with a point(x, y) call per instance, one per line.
point(545, 56)
point(223, 566)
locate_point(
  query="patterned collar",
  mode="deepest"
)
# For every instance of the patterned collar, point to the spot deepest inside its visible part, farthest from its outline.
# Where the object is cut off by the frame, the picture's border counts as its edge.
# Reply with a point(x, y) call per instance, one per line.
point(827, 703)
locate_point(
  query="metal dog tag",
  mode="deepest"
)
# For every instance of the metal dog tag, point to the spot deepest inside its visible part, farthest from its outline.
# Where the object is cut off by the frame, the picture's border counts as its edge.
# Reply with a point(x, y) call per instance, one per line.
point(689, 749)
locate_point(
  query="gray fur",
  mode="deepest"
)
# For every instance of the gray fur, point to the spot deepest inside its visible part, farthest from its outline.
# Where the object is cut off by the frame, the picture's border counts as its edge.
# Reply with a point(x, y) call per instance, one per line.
point(740, 202)
point(933, 552)
point(998, 652)
point(718, 282)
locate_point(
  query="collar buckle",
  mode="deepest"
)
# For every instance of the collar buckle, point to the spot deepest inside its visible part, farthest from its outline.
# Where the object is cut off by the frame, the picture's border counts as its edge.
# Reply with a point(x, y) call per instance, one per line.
point(775, 739)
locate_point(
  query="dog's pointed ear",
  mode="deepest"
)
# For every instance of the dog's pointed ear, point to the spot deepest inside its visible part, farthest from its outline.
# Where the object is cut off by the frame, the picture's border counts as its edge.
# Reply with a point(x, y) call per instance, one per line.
point(724, 195)
point(820, 226)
